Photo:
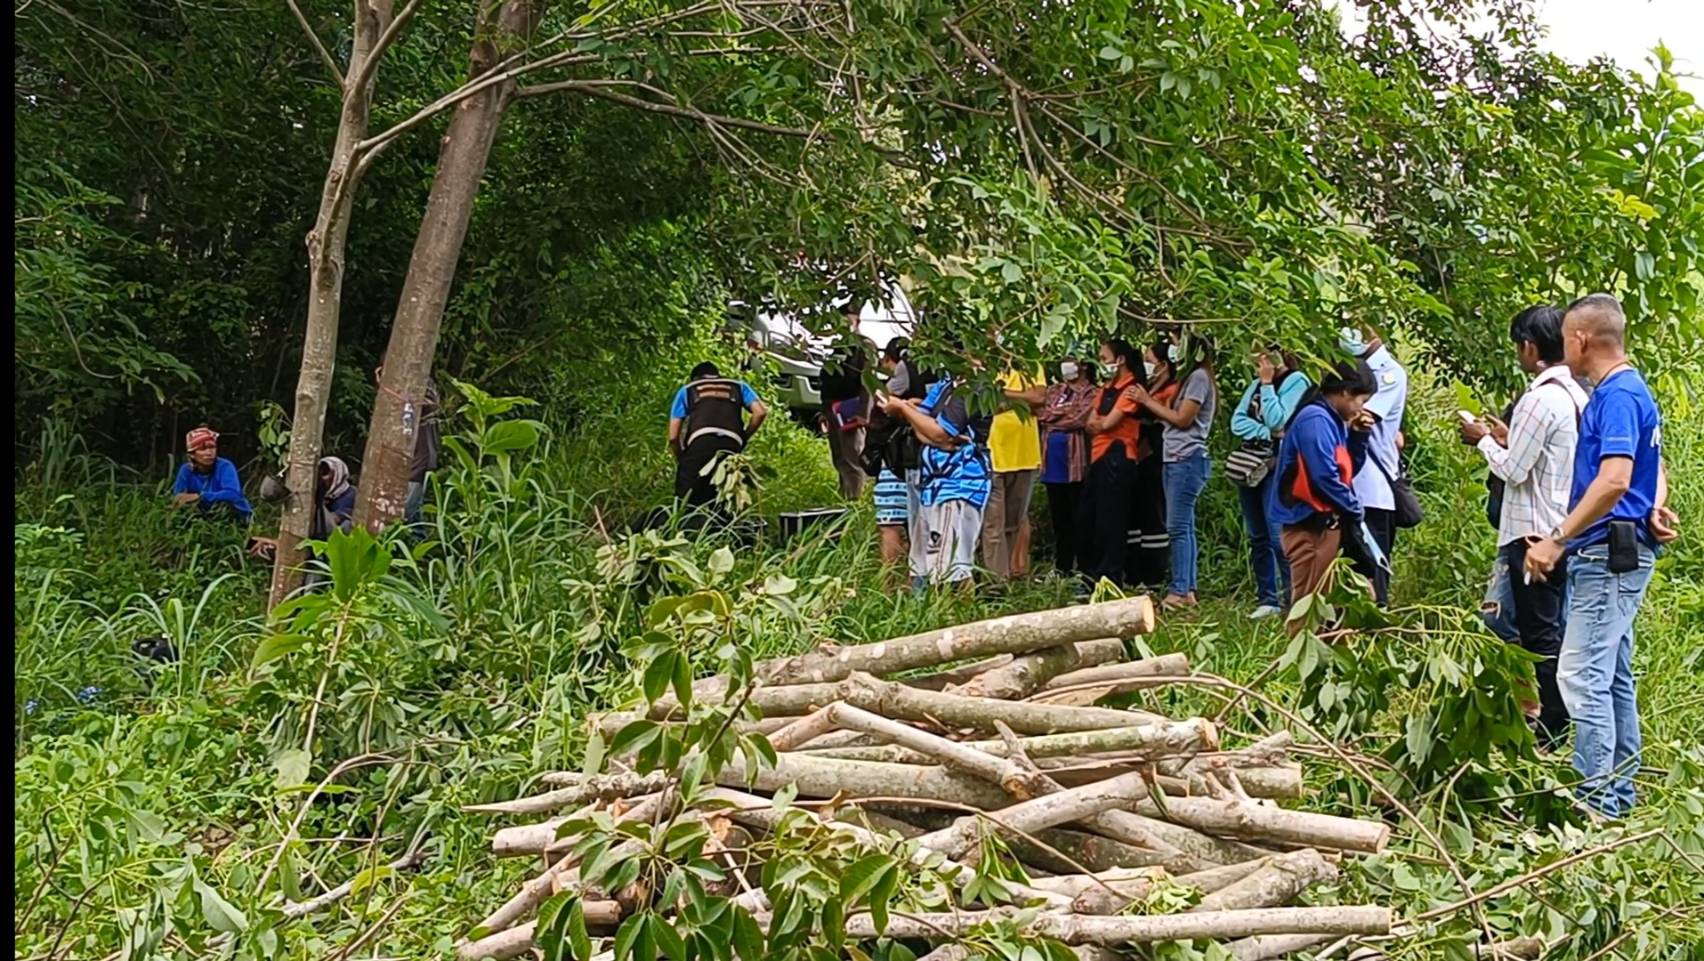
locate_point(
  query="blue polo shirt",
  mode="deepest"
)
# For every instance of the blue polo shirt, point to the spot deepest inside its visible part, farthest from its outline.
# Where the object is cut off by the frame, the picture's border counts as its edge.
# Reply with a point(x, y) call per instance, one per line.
point(1620, 420)
point(677, 409)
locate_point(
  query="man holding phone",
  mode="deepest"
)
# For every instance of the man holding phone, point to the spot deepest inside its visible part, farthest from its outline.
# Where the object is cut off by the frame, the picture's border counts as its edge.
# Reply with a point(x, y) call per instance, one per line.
point(1616, 519)
point(1536, 462)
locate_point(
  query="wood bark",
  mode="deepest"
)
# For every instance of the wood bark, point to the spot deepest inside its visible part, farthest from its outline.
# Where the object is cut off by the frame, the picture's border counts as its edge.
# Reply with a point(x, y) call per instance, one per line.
point(516, 941)
point(827, 778)
point(1014, 634)
point(970, 713)
point(1013, 778)
point(603, 787)
point(502, 29)
point(1027, 817)
point(327, 242)
point(1136, 741)
point(1277, 882)
point(1257, 822)
point(1267, 947)
point(940, 680)
point(1081, 929)
point(1169, 665)
point(1026, 674)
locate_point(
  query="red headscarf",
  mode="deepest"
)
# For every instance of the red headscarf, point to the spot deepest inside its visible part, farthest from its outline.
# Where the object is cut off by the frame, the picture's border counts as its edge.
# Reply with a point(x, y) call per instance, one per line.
point(200, 438)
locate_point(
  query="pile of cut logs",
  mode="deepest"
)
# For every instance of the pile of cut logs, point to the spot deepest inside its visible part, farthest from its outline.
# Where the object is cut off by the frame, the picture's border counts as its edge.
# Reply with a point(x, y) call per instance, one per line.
point(896, 749)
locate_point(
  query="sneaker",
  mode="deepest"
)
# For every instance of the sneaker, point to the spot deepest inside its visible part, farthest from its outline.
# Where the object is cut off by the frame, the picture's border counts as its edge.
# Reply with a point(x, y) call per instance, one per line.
point(1264, 611)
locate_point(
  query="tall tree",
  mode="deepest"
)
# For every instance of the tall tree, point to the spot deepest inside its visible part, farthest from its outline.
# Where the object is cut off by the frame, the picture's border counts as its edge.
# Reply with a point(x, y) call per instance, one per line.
point(374, 29)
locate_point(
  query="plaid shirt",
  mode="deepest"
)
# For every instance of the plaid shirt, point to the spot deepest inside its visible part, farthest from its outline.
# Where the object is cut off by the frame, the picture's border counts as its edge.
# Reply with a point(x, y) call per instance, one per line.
point(1538, 464)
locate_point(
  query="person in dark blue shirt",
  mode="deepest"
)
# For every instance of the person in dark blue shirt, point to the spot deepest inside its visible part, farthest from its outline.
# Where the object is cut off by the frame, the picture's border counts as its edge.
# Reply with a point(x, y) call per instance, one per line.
point(1617, 517)
point(209, 481)
point(1313, 499)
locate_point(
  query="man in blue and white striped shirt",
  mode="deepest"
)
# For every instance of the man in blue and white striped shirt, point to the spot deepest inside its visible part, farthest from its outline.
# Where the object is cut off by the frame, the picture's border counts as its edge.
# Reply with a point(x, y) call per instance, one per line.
point(1536, 462)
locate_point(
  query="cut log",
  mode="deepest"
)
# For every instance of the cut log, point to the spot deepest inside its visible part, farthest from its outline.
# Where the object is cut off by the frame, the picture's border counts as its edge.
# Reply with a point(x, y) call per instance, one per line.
point(940, 680)
point(1073, 885)
point(1077, 850)
point(815, 777)
point(953, 711)
point(1267, 947)
point(1277, 882)
point(518, 940)
point(1083, 929)
point(1043, 812)
point(540, 838)
point(1026, 674)
point(804, 730)
point(1014, 634)
point(1169, 665)
point(754, 811)
point(602, 787)
point(1011, 777)
point(1258, 782)
point(1213, 879)
point(1135, 742)
point(1257, 822)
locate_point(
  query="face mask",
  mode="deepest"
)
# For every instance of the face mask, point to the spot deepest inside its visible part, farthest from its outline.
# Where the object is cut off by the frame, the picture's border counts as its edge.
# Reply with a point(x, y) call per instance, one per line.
point(1110, 371)
point(1151, 369)
point(1174, 353)
point(1068, 370)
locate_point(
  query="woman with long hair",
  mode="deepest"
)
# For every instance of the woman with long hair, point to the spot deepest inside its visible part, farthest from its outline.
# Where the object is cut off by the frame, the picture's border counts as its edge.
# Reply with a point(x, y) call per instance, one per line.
point(1149, 552)
point(1187, 417)
point(1109, 486)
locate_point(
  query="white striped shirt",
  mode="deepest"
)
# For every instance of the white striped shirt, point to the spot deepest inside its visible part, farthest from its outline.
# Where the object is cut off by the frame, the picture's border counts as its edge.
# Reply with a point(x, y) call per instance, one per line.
point(1538, 464)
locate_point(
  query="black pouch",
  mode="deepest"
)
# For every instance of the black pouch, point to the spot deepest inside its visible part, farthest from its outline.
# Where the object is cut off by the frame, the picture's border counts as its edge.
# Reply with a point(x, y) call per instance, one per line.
point(1623, 547)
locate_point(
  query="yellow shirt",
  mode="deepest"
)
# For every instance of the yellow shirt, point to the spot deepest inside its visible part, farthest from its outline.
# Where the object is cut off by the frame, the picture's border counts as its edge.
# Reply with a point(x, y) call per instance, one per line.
point(1015, 441)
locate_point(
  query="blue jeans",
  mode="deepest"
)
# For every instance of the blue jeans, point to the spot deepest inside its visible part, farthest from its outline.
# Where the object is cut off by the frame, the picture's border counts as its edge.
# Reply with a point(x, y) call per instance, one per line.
point(1498, 608)
point(412, 514)
point(1184, 480)
point(1595, 674)
point(1265, 546)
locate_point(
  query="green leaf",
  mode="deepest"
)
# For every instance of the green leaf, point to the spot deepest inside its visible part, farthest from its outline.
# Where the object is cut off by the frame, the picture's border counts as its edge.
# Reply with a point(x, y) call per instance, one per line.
point(655, 682)
point(748, 937)
point(510, 435)
point(863, 874)
point(634, 737)
point(220, 914)
point(291, 767)
point(275, 646)
point(370, 877)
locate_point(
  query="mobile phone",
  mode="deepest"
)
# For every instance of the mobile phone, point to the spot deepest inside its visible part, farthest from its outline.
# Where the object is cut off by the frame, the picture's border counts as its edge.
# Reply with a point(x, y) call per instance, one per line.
point(1623, 547)
point(1466, 416)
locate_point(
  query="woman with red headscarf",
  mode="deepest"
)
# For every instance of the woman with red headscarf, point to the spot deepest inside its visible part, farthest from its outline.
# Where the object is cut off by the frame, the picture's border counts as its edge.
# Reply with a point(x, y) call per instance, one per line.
point(209, 481)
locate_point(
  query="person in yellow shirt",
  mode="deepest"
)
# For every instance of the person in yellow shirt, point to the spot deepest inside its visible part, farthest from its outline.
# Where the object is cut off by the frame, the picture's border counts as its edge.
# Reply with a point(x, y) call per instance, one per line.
point(1014, 443)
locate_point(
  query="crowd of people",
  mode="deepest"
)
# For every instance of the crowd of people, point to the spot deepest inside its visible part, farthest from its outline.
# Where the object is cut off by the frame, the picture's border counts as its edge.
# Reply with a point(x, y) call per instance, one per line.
point(1119, 442)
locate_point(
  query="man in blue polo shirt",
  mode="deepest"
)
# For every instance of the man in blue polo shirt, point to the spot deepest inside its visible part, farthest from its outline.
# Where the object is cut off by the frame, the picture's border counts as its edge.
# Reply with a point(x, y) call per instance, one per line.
point(1616, 520)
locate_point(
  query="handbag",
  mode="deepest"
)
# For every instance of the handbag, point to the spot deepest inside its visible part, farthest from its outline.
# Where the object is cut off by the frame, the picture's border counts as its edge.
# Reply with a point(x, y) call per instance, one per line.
point(1249, 464)
point(1407, 512)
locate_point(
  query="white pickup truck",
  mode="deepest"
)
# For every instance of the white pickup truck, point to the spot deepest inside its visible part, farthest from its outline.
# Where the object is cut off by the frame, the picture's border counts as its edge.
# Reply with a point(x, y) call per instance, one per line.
point(796, 355)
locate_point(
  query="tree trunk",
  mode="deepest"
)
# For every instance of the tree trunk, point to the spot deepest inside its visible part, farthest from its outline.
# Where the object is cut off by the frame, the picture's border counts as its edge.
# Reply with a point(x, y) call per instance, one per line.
point(326, 244)
point(420, 310)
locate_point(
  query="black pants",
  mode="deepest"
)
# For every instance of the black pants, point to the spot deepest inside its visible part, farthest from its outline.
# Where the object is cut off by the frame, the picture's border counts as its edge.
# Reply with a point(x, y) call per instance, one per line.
point(691, 480)
point(1147, 560)
point(1064, 505)
point(1541, 618)
point(1104, 516)
point(1381, 523)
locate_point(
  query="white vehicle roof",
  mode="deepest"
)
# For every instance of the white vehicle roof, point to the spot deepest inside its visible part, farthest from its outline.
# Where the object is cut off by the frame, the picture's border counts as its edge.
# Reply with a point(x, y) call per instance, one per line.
point(880, 323)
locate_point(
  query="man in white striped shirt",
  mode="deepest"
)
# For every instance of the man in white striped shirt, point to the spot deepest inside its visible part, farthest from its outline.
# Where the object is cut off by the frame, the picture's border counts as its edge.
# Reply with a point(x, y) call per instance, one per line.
point(1535, 460)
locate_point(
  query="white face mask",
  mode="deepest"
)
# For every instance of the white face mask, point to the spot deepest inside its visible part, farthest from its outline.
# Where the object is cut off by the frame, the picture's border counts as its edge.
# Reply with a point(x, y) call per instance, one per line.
point(1174, 353)
point(1068, 370)
point(1151, 369)
point(1110, 371)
